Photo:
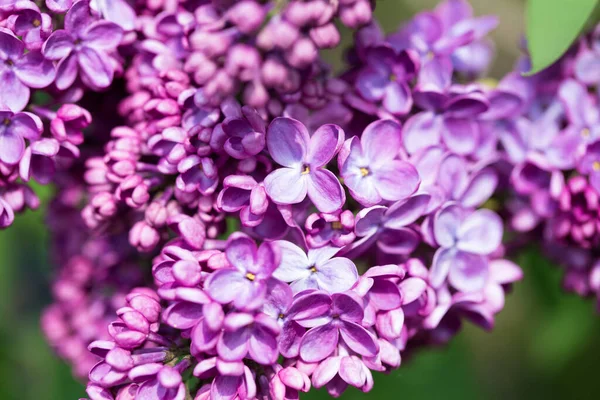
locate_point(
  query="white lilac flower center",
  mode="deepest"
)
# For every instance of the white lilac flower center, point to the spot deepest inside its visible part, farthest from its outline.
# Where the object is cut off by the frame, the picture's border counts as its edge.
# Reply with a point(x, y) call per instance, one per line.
point(364, 171)
point(250, 276)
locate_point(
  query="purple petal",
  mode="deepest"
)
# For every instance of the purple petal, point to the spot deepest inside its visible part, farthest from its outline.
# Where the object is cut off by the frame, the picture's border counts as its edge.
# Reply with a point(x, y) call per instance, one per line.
point(587, 67)
point(287, 185)
point(232, 199)
point(337, 275)
point(34, 70)
point(95, 67)
point(233, 346)
point(59, 45)
point(326, 371)
point(224, 285)
point(461, 135)
point(324, 144)
point(103, 35)
point(480, 188)
point(289, 339)
point(381, 141)
point(398, 241)
point(480, 233)
point(440, 266)
point(422, 130)
point(183, 315)
point(358, 339)
point(294, 264)
point(396, 180)
point(368, 220)
point(287, 141)
point(325, 191)
point(371, 83)
point(30, 127)
point(398, 98)
point(10, 46)
point(351, 371)
point(263, 347)
point(405, 212)
point(318, 343)
point(78, 18)
point(446, 225)
point(468, 272)
point(66, 72)
point(241, 253)
point(15, 95)
point(12, 147)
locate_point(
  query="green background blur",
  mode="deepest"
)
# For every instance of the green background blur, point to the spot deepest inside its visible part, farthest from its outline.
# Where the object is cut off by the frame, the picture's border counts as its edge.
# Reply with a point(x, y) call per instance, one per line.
point(546, 344)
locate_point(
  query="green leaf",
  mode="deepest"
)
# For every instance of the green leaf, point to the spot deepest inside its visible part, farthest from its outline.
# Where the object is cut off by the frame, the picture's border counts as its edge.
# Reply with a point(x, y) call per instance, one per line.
point(551, 27)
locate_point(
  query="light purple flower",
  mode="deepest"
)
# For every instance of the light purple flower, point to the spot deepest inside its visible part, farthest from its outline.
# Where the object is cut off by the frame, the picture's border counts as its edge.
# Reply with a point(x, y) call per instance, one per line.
point(197, 174)
point(160, 382)
point(385, 78)
point(304, 159)
point(20, 71)
point(117, 11)
point(465, 239)
point(370, 166)
point(7, 215)
point(83, 47)
point(246, 283)
point(38, 161)
point(589, 164)
point(245, 129)
point(59, 6)
point(581, 110)
point(343, 319)
point(315, 270)
point(32, 25)
point(247, 334)
point(242, 193)
point(341, 370)
point(389, 227)
point(14, 129)
point(337, 229)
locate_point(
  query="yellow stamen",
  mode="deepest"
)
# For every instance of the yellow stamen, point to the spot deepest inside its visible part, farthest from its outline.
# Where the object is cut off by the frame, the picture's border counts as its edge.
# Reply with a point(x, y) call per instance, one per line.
point(364, 171)
point(393, 78)
point(585, 132)
point(36, 23)
point(6, 121)
point(313, 269)
point(337, 225)
point(306, 170)
point(596, 165)
point(281, 316)
point(250, 276)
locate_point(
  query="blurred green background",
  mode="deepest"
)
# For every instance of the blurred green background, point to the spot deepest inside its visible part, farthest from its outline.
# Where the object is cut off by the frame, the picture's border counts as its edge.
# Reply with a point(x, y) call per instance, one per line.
point(546, 344)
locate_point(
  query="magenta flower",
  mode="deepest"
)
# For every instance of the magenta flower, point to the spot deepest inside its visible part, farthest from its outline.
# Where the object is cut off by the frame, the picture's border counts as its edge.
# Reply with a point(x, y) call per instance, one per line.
point(117, 11)
point(304, 159)
point(389, 227)
point(589, 164)
point(160, 382)
point(83, 47)
point(315, 270)
point(245, 129)
point(385, 78)
point(465, 239)
point(370, 168)
point(32, 25)
point(20, 71)
point(323, 228)
point(242, 193)
point(245, 284)
point(197, 173)
point(38, 161)
point(14, 129)
point(342, 319)
point(7, 215)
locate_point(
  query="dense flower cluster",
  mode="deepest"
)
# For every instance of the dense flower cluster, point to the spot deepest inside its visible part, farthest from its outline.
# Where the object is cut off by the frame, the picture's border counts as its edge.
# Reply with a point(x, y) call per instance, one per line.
point(234, 221)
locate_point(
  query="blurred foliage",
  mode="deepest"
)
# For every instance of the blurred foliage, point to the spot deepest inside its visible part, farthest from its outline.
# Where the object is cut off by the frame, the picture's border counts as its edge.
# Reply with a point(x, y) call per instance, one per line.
point(545, 344)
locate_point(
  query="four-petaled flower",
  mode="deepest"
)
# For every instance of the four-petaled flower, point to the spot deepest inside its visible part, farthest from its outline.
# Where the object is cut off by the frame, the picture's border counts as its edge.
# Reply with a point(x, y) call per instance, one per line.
point(14, 129)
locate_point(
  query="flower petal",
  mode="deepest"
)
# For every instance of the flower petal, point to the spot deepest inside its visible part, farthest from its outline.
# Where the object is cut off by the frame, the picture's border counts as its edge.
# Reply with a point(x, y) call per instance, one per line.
point(12, 147)
point(66, 72)
point(397, 180)
point(34, 70)
point(263, 347)
point(325, 191)
point(287, 141)
point(405, 212)
point(324, 145)
point(103, 35)
point(468, 272)
point(337, 275)
point(15, 95)
point(359, 339)
point(95, 68)
point(440, 266)
point(422, 130)
point(318, 343)
point(59, 45)
point(480, 233)
point(381, 141)
point(286, 185)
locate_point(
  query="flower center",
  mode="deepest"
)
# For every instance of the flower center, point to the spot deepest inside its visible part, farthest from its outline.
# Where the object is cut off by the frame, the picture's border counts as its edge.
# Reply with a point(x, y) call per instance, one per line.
point(281, 316)
point(585, 132)
point(313, 269)
point(6, 122)
point(337, 225)
point(250, 276)
point(596, 165)
point(364, 171)
point(36, 23)
point(305, 170)
point(9, 62)
point(393, 77)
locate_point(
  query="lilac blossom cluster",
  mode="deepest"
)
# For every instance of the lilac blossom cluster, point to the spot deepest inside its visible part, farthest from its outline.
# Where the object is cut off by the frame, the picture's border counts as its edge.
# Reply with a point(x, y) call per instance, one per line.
point(240, 223)
point(552, 152)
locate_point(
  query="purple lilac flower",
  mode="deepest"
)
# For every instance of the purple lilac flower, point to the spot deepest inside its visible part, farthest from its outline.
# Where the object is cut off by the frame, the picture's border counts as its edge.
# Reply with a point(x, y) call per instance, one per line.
point(20, 71)
point(315, 269)
point(337, 229)
point(242, 193)
point(370, 166)
point(83, 47)
point(342, 320)
point(589, 164)
point(14, 129)
point(304, 159)
point(117, 11)
point(32, 25)
point(244, 284)
point(465, 240)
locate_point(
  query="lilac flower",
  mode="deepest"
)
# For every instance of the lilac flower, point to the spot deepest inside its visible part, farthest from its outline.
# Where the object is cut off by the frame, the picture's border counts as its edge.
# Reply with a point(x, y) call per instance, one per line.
point(59, 6)
point(581, 109)
point(342, 319)
point(339, 371)
point(160, 382)
point(315, 270)
point(7, 215)
point(246, 283)
point(117, 11)
point(304, 159)
point(32, 25)
point(370, 168)
point(84, 45)
point(589, 164)
point(388, 227)
point(385, 78)
point(20, 71)
point(245, 129)
point(38, 161)
point(242, 193)
point(465, 239)
point(247, 334)
point(69, 122)
point(197, 174)
point(14, 129)
point(337, 229)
